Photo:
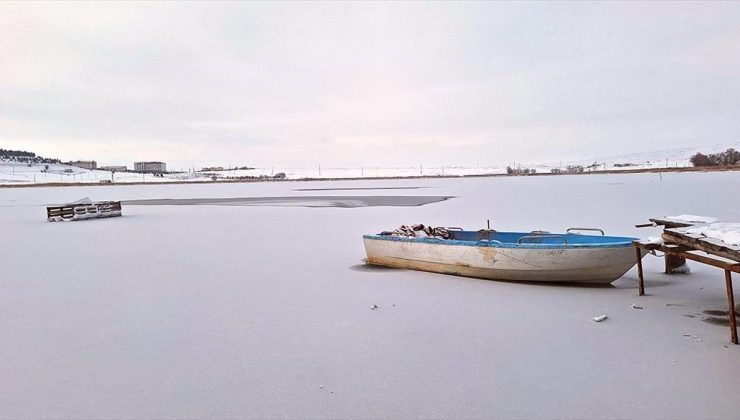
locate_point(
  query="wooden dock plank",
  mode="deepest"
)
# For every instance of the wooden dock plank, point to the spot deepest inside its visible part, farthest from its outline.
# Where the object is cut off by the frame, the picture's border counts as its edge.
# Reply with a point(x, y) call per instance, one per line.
point(668, 223)
point(701, 243)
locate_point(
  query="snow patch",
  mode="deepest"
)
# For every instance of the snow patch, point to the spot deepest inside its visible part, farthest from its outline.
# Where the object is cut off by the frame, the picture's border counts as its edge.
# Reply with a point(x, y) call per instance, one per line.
point(728, 233)
point(681, 269)
point(653, 240)
point(691, 218)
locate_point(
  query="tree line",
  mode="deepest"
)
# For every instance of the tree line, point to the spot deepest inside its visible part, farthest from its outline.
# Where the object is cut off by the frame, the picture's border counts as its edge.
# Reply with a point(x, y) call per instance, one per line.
point(727, 158)
point(25, 157)
point(23, 153)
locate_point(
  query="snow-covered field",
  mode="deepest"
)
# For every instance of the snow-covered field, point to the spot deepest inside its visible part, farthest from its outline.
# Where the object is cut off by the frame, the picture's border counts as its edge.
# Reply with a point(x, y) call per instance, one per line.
point(264, 311)
point(15, 173)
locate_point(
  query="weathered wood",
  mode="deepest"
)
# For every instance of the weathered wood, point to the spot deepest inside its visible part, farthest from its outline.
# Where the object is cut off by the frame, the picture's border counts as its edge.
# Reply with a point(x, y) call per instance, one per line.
point(642, 225)
point(82, 211)
point(668, 223)
point(683, 253)
point(680, 245)
point(640, 280)
point(701, 244)
point(672, 262)
point(731, 303)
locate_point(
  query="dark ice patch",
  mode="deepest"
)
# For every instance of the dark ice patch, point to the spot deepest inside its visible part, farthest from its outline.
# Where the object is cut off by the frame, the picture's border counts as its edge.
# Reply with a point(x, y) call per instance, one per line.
point(340, 201)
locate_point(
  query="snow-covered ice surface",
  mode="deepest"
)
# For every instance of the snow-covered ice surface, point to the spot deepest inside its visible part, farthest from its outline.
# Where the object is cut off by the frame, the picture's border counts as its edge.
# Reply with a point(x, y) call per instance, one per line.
point(653, 240)
point(258, 311)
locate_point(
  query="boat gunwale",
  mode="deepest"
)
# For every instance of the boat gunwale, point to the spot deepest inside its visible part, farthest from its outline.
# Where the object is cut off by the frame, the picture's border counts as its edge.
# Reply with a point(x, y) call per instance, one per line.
point(620, 242)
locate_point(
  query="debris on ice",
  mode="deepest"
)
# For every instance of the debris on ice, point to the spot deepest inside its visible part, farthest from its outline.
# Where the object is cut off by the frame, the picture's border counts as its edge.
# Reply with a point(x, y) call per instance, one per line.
point(374, 306)
point(636, 307)
point(600, 318)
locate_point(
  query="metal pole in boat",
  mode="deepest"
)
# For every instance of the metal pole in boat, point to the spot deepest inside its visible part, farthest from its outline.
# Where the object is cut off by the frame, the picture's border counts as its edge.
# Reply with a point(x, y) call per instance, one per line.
point(488, 224)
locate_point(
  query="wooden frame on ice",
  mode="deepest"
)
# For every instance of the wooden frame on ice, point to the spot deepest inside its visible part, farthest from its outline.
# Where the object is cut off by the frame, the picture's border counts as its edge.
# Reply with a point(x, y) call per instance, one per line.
point(681, 245)
point(82, 211)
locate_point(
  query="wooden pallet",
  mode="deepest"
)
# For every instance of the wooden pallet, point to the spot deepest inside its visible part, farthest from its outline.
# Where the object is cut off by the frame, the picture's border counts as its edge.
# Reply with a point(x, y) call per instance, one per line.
point(73, 212)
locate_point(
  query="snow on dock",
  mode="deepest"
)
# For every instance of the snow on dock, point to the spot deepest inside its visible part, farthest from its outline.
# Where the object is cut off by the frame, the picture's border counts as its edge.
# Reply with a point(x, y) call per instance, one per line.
point(702, 240)
point(729, 233)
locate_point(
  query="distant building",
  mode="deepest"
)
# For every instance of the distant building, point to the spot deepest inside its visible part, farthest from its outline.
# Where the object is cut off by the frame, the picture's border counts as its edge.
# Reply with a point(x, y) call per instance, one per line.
point(154, 167)
point(85, 164)
point(114, 168)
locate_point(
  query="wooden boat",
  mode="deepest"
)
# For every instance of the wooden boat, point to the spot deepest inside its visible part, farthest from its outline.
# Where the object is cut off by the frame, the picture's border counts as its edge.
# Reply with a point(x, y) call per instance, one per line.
point(515, 256)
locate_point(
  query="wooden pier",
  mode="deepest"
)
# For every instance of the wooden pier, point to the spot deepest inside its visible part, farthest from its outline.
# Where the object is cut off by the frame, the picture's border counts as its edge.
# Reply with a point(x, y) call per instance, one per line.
point(680, 245)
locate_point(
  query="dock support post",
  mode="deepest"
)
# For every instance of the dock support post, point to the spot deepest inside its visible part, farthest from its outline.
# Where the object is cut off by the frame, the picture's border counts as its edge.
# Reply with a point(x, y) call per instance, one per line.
point(640, 280)
point(672, 262)
point(731, 302)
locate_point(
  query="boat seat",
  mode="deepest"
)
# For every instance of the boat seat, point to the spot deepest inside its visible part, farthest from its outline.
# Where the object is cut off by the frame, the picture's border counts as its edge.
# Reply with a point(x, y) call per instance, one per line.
point(485, 234)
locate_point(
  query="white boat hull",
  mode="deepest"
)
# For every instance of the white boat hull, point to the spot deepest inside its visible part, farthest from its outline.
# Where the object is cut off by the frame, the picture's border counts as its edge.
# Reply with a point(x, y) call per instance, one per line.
point(579, 265)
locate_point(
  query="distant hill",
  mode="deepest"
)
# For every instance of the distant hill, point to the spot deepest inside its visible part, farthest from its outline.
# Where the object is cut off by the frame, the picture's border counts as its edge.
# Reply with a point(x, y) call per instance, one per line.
point(24, 156)
point(678, 157)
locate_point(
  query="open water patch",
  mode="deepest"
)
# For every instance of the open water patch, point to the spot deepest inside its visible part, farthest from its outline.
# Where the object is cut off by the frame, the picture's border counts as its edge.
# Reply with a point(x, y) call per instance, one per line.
point(359, 188)
point(719, 317)
point(722, 322)
point(347, 201)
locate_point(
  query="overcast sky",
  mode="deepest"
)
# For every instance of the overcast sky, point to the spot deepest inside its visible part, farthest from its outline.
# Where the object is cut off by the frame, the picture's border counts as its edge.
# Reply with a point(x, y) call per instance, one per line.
point(365, 83)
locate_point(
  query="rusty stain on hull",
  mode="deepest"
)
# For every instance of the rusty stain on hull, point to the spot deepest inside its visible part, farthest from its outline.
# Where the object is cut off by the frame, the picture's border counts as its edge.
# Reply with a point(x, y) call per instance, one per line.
point(488, 255)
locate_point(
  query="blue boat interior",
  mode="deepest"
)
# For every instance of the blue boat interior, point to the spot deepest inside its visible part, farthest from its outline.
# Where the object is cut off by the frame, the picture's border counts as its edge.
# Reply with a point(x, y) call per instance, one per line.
point(536, 239)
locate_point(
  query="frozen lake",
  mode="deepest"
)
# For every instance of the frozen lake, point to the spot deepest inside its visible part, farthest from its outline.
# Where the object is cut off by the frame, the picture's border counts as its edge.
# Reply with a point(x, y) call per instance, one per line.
point(232, 305)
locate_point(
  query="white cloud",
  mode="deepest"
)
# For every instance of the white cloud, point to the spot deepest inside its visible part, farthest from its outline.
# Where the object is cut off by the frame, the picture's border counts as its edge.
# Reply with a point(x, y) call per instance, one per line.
point(365, 83)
